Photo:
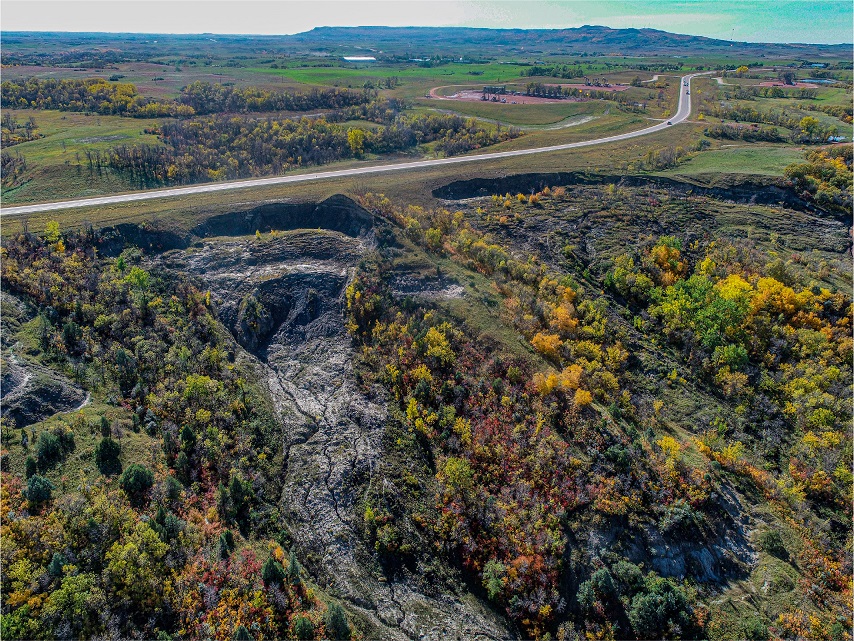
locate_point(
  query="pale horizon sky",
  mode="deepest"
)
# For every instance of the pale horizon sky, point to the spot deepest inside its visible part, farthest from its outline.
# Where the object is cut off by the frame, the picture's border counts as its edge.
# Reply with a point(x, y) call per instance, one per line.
point(803, 21)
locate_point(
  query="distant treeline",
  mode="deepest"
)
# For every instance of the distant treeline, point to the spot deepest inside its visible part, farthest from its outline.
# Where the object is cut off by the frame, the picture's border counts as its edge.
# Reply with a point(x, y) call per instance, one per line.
point(844, 112)
point(88, 95)
point(591, 92)
point(207, 98)
point(220, 147)
point(751, 92)
point(577, 71)
point(555, 71)
point(749, 133)
point(99, 96)
point(802, 130)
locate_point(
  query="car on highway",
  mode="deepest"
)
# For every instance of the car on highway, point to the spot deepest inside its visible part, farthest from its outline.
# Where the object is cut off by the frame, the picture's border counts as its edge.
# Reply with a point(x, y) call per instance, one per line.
point(669, 122)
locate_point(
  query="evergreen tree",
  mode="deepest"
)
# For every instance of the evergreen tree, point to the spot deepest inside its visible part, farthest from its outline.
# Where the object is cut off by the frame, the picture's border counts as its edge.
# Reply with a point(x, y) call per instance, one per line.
point(337, 627)
point(107, 456)
point(242, 634)
point(293, 569)
point(273, 573)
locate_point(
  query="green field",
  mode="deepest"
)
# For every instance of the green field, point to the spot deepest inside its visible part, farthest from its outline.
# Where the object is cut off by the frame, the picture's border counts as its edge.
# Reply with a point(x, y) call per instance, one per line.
point(741, 159)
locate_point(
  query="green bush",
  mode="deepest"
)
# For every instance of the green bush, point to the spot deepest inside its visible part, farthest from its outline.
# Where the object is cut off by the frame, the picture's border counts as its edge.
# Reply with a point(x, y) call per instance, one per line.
point(107, 456)
point(303, 628)
point(772, 542)
point(135, 481)
point(337, 627)
point(241, 634)
point(661, 611)
point(39, 489)
point(273, 572)
point(49, 450)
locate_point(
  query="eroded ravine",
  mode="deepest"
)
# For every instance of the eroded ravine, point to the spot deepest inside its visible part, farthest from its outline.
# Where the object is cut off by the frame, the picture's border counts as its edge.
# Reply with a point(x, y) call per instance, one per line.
point(331, 431)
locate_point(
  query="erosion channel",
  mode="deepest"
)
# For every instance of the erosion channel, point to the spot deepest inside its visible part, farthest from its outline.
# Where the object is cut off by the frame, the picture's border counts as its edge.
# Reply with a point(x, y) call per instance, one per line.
point(283, 299)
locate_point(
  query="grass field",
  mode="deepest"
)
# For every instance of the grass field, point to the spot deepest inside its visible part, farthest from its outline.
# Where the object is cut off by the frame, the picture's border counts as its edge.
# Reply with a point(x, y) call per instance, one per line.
point(57, 164)
point(741, 159)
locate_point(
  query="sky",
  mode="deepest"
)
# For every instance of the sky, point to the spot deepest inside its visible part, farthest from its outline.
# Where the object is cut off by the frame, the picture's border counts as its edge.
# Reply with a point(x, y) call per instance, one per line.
point(811, 21)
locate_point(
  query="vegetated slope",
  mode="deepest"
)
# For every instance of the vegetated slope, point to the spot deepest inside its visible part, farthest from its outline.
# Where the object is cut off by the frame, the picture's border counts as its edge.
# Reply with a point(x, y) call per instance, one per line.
point(674, 356)
point(603, 409)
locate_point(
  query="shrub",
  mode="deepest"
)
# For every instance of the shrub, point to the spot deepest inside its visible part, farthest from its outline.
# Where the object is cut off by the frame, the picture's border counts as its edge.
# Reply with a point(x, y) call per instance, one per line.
point(49, 450)
point(107, 456)
point(303, 628)
point(39, 489)
point(772, 543)
point(337, 627)
point(135, 481)
point(662, 611)
point(273, 572)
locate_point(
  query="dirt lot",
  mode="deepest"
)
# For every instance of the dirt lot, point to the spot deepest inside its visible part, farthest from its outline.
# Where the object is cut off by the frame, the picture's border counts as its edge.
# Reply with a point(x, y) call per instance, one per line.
point(474, 95)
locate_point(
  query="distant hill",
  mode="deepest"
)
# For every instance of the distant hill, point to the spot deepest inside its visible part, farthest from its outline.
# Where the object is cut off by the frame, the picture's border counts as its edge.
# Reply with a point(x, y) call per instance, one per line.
point(587, 39)
point(25, 47)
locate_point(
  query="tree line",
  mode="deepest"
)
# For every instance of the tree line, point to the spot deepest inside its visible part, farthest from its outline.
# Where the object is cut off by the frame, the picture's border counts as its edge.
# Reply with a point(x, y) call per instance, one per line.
point(99, 96)
point(222, 147)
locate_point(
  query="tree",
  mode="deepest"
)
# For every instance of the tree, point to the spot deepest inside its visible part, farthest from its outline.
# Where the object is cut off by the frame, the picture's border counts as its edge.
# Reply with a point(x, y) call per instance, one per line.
point(293, 569)
point(661, 611)
point(809, 125)
point(242, 634)
point(182, 467)
point(51, 231)
point(787, 77)
point(49, 450)
point(39, 489)
point(303, 628)
point(30, 467)
point(75, 606)
point(135, 567)
point(136, 480)
point(356, 140)
point(188, 438)
point(337, 627)
point(273, 573)
point(173, 488)
point(237, 494)
point(493, 578)
point(226, 544)
point(107, 456)
point(54, 568)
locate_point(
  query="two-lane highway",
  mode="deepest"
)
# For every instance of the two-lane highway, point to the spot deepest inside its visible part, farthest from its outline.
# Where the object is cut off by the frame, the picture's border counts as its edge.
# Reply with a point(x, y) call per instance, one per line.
point(681, 114)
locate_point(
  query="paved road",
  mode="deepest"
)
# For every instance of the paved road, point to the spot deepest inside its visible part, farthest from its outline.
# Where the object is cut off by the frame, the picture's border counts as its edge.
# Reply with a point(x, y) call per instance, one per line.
point(682, 113)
